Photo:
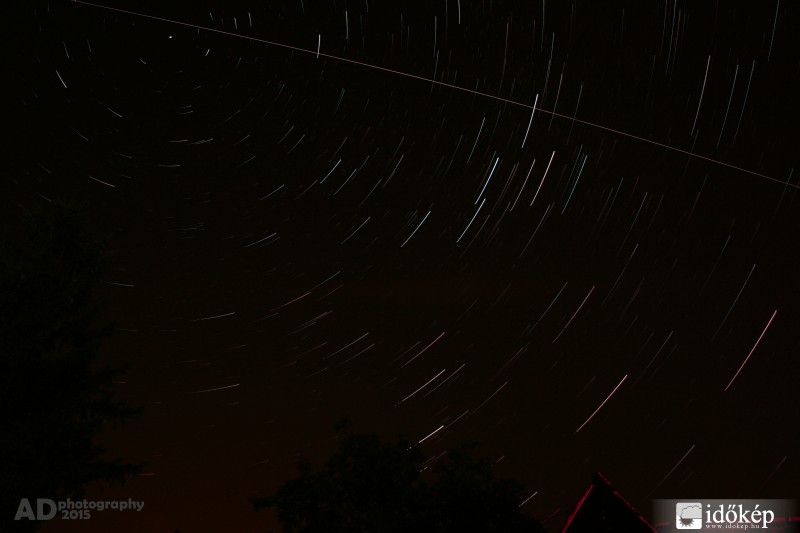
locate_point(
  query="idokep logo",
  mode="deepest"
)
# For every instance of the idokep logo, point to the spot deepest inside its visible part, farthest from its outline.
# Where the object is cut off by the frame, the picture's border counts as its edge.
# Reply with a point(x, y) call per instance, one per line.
point(739, 515)
point(712, 515)
point(689, 515)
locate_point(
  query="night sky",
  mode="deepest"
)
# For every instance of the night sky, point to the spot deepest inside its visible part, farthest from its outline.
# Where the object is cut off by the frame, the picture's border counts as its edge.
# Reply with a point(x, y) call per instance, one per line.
point(348, 208)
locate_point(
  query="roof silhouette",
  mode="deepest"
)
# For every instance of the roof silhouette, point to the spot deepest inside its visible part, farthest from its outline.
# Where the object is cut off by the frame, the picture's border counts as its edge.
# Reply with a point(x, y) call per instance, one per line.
point(602, 509)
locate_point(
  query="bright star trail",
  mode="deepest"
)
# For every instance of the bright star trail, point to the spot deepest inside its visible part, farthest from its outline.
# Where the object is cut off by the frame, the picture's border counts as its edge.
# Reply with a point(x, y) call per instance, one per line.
point(728, 386)
point(602, 404)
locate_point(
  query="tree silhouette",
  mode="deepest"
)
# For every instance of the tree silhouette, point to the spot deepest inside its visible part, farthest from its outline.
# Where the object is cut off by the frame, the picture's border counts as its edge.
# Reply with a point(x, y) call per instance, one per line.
point(53, 390)
point(377, 487)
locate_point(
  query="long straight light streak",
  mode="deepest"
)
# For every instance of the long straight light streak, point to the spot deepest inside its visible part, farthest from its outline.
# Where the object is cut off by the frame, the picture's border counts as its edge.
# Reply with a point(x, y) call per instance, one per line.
point(751, 351)
point(419, 389)
point(604, 402)
point(444, 84)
